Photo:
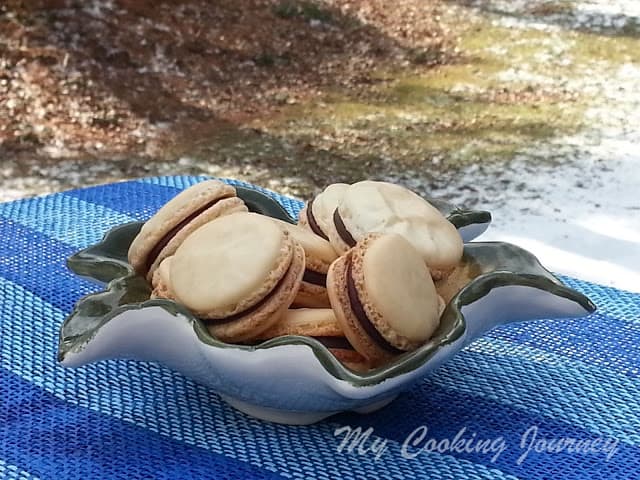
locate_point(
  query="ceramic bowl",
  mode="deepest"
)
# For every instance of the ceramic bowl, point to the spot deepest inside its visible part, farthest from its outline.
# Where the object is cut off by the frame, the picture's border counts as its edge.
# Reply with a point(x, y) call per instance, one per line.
point(294, 379)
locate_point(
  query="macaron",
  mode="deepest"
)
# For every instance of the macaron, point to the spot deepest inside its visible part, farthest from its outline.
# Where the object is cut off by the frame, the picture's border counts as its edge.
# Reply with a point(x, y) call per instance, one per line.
point(317, 215)
point(238, 273)
point(160, 282)
point(381, 207)
point(320, 324)
point(319, 255)
point(161, 235)
point(383, 297)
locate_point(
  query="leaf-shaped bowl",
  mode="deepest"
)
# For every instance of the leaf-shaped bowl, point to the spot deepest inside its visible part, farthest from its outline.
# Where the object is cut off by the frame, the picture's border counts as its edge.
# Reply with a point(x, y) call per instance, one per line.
point(295, 379)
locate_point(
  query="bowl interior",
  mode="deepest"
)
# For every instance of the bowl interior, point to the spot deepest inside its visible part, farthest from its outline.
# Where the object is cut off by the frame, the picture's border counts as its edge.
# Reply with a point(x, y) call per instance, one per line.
point(485, 266)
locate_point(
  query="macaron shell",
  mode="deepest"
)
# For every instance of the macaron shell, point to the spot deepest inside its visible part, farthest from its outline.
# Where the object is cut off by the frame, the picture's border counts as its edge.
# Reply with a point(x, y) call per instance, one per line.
point(396, 290)
point(223, 207)
point(160, 281)
point(440, 274)
point(325, 203)
point(338, 244)
point(316, 322)
point(312, 322)
point(341, 305)
point(460, 276)
point(351, 359)
point(303, 220)
point(319, 252)
point(171, 213)
point(268, 314)
point(313, 296)
point(383, 207)
point(230, 264)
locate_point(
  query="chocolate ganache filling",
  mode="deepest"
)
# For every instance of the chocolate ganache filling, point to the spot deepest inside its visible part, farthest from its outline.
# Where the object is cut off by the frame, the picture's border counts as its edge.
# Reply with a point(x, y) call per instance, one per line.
point(252, 308)
point(315, 228)
point(315, 278)
point(361, 315)
point(164, 241)
point(335, 342)
point(342, 230)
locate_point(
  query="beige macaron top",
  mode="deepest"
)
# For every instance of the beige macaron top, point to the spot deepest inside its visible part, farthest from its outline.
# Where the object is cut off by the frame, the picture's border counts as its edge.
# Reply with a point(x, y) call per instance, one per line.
point(313, 322)
point(383, 207)
point(319, 252)
point(230, 264)
point(195, 201)
point(325, 203)
point(396, 289)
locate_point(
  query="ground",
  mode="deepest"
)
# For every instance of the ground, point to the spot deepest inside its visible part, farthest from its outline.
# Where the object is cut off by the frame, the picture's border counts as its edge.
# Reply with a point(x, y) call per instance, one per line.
point(527, 108)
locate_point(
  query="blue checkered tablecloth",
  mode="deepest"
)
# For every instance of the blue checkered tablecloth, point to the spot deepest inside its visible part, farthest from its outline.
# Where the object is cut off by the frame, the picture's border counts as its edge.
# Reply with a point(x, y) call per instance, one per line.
point(539, 400)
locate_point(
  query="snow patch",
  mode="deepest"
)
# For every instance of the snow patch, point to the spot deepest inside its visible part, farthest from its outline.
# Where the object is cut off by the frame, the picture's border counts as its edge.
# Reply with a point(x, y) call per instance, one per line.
point(580, 216)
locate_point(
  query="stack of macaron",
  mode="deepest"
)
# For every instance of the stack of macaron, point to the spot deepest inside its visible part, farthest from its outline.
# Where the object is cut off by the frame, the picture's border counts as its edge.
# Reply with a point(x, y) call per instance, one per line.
point(345, 214)
point(357, 272)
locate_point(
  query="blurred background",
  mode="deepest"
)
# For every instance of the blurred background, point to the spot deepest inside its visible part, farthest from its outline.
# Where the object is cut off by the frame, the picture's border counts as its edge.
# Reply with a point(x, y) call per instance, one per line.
point(529, 109)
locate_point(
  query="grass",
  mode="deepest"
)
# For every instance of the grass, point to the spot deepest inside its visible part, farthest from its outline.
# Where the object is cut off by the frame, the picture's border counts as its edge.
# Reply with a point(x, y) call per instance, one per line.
point(614, 50)
point(288, 9)
point(444, 113)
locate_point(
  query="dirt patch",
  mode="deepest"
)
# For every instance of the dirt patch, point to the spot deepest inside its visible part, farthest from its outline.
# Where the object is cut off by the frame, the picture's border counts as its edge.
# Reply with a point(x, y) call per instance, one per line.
point(148, 79)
